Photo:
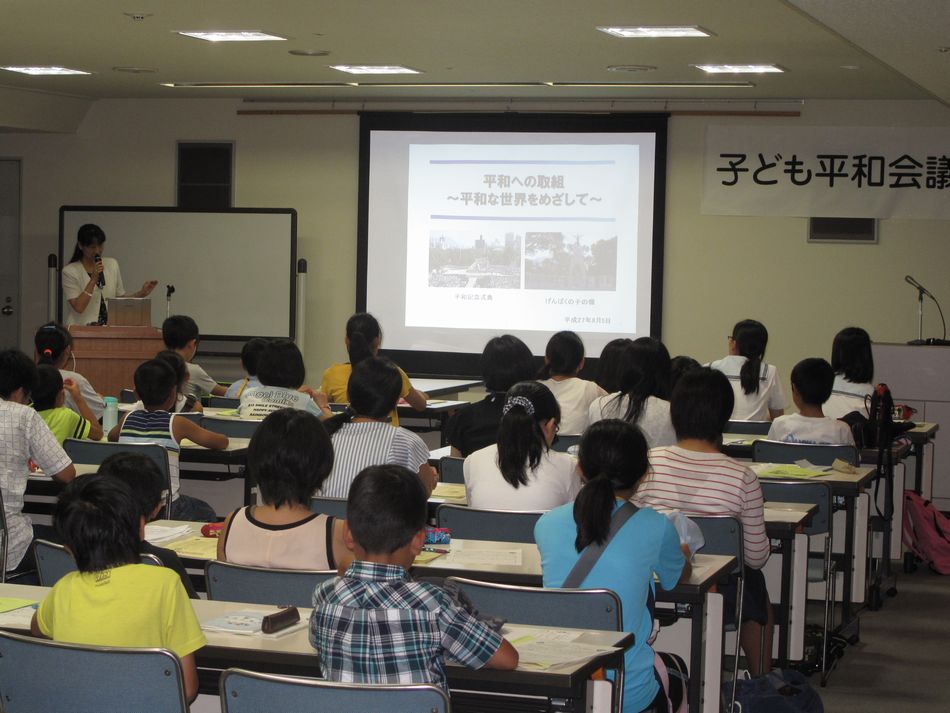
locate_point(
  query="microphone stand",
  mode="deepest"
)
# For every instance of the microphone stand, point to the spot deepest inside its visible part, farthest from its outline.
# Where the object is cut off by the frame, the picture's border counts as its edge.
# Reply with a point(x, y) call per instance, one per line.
point(920, 315)
point(170, 290)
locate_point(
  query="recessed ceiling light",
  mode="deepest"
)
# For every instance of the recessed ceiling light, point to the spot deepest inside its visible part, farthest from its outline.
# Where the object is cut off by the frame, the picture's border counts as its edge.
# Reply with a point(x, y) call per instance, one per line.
point(135, 70)
point(309, 53)
point(850, 67)
point(739, 68)
point(654, 31)
point(373, 69)
point(943, 49)
point(242, 36)
point(630, 68)
point(59, 71)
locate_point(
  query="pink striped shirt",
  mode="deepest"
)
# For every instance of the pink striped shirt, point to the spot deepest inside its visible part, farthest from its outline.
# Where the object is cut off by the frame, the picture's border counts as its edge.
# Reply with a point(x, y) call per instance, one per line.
point(702, 484)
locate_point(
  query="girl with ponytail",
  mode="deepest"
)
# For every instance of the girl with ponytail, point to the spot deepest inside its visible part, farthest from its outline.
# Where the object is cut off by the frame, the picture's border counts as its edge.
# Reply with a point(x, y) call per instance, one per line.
point(757, 387)
point(612, 460)
point(520, 471)
point(54, 346)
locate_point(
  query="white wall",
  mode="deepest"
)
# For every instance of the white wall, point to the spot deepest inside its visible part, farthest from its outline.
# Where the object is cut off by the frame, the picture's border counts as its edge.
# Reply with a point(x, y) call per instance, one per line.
point(718, 269)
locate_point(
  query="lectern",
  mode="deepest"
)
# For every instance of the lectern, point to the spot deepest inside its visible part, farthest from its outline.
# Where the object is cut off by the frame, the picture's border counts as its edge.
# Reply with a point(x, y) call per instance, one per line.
point(109, 355)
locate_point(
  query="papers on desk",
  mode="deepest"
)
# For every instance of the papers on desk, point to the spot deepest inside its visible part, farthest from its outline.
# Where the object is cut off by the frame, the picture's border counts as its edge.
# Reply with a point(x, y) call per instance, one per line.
point(247, 622)
point(157, 534)
point(473, 557)
point(542, 648)
point(426, 556)
point(16, 613)
point(448, 491)
point(792, 471)
point(197, 547)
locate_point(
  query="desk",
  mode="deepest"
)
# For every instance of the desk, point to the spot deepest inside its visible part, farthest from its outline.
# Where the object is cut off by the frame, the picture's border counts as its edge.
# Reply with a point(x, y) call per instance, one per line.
point(441, 387)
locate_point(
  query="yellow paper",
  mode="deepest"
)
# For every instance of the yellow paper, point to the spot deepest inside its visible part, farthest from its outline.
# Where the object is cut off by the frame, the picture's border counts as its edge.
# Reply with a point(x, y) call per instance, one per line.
point(11, 603)
point(195, 547)
point(791, 471)
point(449, 490)
point(425, 557)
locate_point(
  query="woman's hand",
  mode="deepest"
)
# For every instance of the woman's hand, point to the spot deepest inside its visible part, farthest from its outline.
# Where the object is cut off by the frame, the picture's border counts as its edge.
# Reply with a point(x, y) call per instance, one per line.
point(147, 288)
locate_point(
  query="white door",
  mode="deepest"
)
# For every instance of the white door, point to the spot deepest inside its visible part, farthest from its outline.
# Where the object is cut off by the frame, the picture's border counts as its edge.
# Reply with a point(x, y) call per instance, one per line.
point(9, 253)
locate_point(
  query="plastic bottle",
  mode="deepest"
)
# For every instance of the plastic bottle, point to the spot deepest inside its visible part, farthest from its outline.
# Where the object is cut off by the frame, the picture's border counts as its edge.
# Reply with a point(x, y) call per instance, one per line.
point(110, 414)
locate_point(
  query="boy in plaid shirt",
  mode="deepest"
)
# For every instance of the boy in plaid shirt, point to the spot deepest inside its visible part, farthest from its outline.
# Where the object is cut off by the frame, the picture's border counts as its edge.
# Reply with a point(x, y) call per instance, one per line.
point(374, 624)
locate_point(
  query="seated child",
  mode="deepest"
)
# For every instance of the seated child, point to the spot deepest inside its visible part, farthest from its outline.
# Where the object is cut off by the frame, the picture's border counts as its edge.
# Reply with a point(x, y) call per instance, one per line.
point(185, 402)
point(250, 356)
point(54, 345)
point(374, 624)
point(563, 361)
point(157, 384)
point(113, 600)
point(180, 334)
point(281, 372)
point(289, 457)
point(812, 382)
point(49, 399)
point(148, 487)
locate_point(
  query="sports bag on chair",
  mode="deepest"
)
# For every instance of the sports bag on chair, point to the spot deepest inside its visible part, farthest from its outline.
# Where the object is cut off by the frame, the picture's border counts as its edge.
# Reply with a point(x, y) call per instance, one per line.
point(926, 532)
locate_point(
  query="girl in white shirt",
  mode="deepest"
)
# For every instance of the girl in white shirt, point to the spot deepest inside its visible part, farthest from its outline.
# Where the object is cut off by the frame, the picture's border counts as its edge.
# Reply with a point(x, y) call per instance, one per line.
point(54, 345)
point(521, 472)
point(756, 386)
point(563, 361)
point(853, 364)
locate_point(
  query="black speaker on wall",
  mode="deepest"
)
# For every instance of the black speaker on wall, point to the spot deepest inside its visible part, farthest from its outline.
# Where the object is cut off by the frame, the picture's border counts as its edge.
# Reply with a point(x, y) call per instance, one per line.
point(842, 230)
point(205, 175)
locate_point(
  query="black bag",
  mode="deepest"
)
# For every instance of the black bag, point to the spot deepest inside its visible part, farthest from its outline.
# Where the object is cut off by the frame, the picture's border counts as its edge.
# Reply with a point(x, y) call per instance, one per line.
point(781, 691)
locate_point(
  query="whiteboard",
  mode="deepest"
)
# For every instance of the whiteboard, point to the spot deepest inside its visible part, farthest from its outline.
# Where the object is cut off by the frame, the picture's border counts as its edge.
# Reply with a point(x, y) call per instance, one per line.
point(233, 271)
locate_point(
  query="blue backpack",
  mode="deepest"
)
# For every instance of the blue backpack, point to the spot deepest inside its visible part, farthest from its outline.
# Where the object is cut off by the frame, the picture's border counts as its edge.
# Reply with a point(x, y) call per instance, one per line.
point(781, 691)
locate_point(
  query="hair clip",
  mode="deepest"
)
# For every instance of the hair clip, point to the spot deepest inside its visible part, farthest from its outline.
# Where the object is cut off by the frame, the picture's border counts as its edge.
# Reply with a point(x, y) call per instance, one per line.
point(518, 401)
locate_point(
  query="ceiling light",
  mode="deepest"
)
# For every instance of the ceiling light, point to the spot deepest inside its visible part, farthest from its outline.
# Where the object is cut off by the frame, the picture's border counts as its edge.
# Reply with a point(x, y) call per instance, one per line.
point(373, 69)
point(651, 31)
point(36, 71)
point(135, 70)
point(309, 53)
point(244, 36)
point(739, 68)
point(630, 68)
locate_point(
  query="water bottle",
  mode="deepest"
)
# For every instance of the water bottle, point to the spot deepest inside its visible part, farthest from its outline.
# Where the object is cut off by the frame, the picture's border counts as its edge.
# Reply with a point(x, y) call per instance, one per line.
point(110, 415)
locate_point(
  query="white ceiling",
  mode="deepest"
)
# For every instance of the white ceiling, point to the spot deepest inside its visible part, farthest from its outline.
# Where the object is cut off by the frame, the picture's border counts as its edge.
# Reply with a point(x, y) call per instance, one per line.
point(892, 43)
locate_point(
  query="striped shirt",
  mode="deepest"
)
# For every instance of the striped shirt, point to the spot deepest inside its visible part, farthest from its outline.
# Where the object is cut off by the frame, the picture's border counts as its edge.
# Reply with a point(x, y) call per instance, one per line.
point(65, 423)
point(700, 484)
point(375, 625)
point(359, 445)
point(154, 427)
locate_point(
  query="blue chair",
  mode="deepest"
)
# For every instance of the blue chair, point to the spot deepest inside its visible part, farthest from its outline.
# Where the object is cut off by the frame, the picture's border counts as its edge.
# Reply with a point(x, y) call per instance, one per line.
point(252, 692)
point(39, 676)
point(474, 524)
point(54, 561)
point(230, 427)
point(334, 507)
point(258, 585)
point(565, 443)
point(781, 452)
point(223, 402)
point(752, 428)
point(450, 470)
point(94, 452)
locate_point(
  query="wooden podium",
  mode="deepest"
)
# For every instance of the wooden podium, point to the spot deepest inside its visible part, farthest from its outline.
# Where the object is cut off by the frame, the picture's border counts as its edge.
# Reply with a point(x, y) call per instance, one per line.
point(108, 356)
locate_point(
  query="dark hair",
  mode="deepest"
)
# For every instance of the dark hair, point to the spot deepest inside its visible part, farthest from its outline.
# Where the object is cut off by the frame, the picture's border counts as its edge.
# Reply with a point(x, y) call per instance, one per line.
point(49, 382)
point(17, 371)
point(88, 234)
point(520, 439)
point(178, 330)
point(658, 361)
point(51, 340)
point(361, 330)
point(281, 364)
point(289, 457)
point(702, 404)
point(612, 456)
point(750, 337)
point(141, 474)
point(98, 520)
point(563, 354)
point(610, 364)
point(506, 360)
point(851, 355)
point(386, 507)
point(645, 372)
point(814, 379)
point(373, 391)
point(251, 354)
point(174, 360)
point(679, 365)
point(154, 381)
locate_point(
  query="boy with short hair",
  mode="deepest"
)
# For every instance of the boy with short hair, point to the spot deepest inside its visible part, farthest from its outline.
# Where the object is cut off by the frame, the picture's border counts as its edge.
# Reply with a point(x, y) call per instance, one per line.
point(374, 624)
point(281, 373)
point(113, 600)
point(250, 358)
point(812, 382)
point(25, 442)
point(180, 333)
point(157, 386)
point(49, 399)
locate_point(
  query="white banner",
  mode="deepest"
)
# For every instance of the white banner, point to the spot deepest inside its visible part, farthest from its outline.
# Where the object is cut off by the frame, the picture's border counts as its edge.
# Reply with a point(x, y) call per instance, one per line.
point(829, 172)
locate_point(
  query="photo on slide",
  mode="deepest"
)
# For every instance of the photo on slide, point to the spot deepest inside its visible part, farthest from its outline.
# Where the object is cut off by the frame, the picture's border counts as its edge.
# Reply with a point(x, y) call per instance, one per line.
point(473, 259)
point(570, 261)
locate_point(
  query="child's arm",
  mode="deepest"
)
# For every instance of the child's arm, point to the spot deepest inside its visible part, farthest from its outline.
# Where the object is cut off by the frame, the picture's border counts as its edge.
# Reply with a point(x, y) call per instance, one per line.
point(429, 477)
point(189, 671)
point(95, 430)
point(114, 433)
point(417, 399)
point(185, 428)
point(35, 628)
point(223, 535)
point(505, 658)
point(320, 399)
point(219, 390)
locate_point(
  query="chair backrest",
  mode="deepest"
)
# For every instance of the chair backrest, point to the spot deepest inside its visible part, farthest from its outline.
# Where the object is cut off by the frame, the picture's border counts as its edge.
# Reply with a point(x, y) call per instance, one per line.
point(231, 427)
point(723, 536)
point(37, 676)
point(223, 402)
point(195, 416)
point(450, 469)
point(256, 585)
point(94, 452)
point(534, 606)
point(334, 507)
point(53, 561)
point(752, 428)
point(565, 443)
point(474, 524)
point(127, 396)
point(252, 692)
point(780, 452)
point(4, 544)
point(803, 491)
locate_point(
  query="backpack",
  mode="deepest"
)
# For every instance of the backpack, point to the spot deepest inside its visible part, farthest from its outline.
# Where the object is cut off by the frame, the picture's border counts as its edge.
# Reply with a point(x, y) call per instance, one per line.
point(780, 691)
point(926, 532)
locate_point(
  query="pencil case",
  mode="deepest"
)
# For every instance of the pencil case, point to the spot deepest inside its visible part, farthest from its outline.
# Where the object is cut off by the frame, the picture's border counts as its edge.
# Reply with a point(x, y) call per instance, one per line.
point(438, 536)
point(280, 620)
point(212, 529)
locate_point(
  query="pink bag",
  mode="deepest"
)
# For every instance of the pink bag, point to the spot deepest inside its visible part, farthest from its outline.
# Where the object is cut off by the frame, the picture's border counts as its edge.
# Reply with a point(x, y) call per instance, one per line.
point(672, 672)
point(926, 532)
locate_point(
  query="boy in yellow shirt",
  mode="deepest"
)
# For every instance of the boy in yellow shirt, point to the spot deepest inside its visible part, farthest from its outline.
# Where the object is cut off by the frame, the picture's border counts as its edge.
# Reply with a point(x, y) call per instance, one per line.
point(113, 600)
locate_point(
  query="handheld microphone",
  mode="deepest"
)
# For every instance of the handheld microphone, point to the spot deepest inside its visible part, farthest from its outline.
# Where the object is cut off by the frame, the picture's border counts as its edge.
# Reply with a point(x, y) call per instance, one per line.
point(101, 280)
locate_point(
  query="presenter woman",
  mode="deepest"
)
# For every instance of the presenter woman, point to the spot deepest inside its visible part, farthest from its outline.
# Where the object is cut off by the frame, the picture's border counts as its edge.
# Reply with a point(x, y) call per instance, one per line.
point(90, 279)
